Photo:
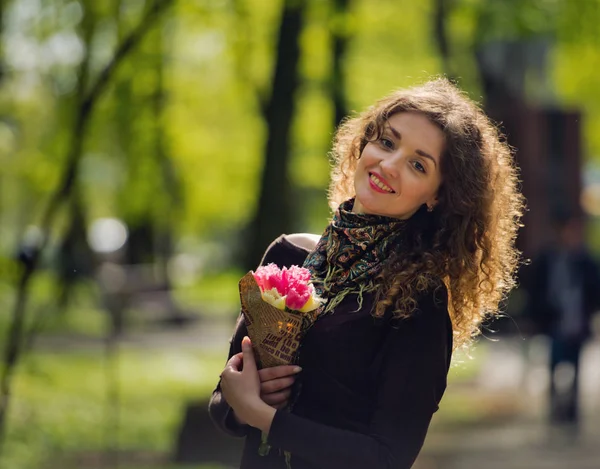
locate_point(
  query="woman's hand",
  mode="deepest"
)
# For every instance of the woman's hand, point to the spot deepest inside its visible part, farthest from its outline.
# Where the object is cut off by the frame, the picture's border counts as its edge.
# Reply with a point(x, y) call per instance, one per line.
point(241, 388)
point(276, 384)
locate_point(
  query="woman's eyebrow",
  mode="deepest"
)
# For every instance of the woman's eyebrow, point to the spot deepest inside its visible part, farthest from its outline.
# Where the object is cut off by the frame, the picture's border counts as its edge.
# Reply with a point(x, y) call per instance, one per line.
point(418, 152)
point(426, 155)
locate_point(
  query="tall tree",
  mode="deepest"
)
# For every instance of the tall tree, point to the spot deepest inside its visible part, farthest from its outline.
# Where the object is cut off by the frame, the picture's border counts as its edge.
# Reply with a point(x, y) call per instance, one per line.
point(340, 36)
point(2, 65)
point(274, 209)
point(440, 33)
point(169, 210)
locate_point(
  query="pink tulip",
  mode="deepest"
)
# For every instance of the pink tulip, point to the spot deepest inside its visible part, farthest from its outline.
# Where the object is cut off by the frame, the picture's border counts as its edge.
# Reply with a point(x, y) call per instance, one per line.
point(297, 297)
point(295, 275)
point(291, 283)
point(268, 277)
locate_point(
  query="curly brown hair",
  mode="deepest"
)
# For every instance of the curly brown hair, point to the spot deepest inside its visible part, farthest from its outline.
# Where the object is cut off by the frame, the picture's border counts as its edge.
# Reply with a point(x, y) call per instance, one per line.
point(468, 242)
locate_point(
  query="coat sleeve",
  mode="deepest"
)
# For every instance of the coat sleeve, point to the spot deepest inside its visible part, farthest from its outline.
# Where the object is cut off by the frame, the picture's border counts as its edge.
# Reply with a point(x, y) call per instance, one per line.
point(220, 412)
point(410, 387)
point(282, 253)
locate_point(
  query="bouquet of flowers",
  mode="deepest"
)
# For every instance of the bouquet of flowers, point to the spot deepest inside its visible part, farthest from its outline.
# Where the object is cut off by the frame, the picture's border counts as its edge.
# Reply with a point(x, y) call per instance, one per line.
point(279, 306)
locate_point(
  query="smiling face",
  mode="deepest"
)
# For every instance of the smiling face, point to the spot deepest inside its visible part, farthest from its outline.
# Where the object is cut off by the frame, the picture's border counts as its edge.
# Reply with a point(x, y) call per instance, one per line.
point(400, 171)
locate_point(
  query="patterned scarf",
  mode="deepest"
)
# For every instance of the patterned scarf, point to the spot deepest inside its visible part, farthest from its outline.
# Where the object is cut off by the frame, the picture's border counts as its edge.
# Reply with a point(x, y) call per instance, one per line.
point(351, 253)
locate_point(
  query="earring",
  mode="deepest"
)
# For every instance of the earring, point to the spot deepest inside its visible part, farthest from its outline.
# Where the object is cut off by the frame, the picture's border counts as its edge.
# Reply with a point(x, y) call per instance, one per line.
point(430, 208)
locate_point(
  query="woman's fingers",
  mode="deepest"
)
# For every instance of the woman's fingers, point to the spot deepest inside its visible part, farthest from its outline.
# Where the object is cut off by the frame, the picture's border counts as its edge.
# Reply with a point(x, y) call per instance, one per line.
point(241, 389)
point(268, 374)
point(248, 356)
point(234, 363)
point(275, 382)
point(277, 399)
point(276, 385)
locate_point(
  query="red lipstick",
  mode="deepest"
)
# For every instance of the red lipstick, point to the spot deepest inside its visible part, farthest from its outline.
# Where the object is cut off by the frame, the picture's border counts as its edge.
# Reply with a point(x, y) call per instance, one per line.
point(375, 187)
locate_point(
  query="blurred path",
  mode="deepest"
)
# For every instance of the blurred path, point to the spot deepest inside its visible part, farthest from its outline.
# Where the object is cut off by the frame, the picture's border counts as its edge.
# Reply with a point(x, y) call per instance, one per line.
point(515, 446)
point(517, 368)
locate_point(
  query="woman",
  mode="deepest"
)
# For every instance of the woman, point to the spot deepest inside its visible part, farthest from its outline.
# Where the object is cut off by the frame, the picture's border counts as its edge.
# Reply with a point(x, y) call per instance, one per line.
point(420, 249)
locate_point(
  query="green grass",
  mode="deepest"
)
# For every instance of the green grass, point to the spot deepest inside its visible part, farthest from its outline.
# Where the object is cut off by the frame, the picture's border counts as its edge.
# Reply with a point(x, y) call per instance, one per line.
point(59, 404)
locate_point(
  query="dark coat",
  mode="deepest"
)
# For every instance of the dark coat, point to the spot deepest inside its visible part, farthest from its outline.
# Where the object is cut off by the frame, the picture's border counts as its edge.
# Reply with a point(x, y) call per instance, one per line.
point(368, 390)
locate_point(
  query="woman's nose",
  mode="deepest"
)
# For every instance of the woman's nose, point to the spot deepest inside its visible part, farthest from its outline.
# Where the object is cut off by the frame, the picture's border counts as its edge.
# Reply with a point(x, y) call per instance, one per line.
point(389, 167)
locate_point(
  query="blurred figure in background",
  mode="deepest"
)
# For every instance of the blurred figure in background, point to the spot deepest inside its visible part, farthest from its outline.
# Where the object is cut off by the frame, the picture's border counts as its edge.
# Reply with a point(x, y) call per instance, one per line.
point(564, 291)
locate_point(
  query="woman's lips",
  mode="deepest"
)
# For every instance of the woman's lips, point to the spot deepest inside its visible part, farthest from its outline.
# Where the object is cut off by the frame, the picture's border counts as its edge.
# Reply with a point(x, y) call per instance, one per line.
point(378, 185)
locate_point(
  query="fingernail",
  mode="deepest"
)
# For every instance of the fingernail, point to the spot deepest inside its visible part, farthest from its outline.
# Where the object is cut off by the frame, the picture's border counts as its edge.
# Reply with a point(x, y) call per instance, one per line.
point(297, 369)
point(246, 341)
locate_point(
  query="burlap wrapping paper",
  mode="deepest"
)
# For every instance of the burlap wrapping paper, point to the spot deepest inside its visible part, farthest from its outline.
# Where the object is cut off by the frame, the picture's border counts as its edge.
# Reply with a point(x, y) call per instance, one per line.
point(275, 334)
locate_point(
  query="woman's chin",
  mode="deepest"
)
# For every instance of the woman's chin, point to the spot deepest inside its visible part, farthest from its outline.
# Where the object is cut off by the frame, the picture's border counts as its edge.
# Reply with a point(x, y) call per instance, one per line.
point(367, 205)
point(373, 205)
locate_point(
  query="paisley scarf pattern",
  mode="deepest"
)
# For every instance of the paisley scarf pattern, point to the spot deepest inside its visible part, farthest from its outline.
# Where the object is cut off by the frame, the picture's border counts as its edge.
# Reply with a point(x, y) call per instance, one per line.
point(351, 254)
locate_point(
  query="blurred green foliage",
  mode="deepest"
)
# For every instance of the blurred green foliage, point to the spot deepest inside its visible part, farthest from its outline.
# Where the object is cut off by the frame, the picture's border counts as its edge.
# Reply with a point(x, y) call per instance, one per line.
point(216, 61)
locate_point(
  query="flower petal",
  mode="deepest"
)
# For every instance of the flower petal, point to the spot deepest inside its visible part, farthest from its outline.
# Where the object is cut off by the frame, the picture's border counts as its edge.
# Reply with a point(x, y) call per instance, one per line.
point(273, 298)
point(313, 303)
point(295, 299)
point(268, 277)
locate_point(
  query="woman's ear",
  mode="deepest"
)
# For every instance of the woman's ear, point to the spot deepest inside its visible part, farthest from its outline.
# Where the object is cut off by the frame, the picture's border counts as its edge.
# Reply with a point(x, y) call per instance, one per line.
point(431, 203)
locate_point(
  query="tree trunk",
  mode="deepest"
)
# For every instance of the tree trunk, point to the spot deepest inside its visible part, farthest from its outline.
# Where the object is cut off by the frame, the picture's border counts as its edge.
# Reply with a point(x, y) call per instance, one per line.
point(440, 33)
point(170, 179)
point(2, 63)
point(338, 82)
point(275, 209)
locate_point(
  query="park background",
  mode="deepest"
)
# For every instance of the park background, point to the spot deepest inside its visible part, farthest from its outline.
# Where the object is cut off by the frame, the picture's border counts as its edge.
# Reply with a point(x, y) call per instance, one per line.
point(150, 151)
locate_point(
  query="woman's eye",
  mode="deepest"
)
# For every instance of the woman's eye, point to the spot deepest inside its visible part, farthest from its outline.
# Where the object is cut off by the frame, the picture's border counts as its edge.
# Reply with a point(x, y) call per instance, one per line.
point(386, 142)
point(419, 167)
